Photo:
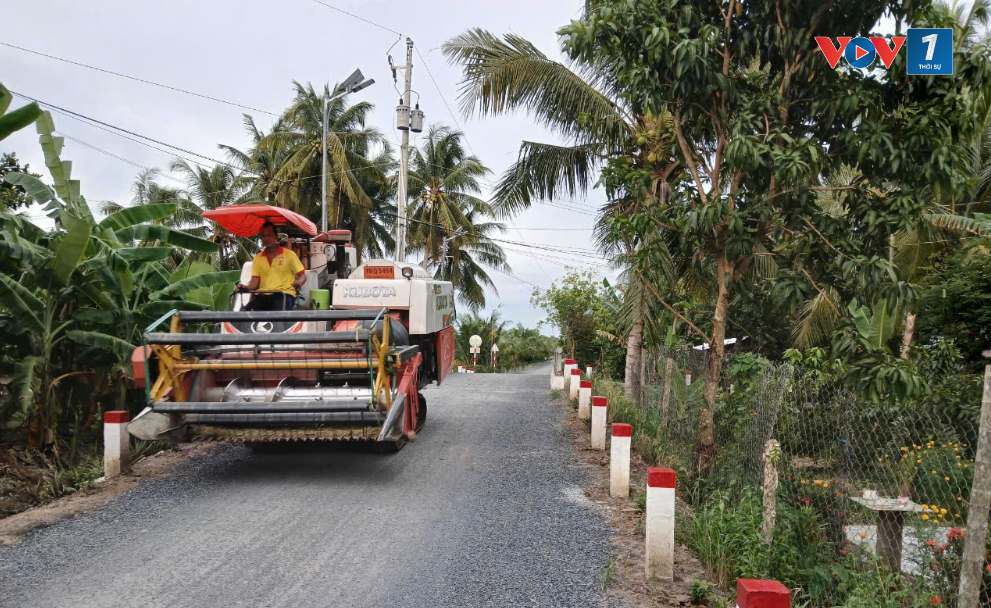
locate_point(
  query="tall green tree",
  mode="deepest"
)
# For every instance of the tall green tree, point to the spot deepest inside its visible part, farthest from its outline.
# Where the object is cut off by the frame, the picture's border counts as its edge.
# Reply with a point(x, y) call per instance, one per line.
point(450, 223)
point(79, 287)
point(296, 143)
point(760, 122)
point(580, 104)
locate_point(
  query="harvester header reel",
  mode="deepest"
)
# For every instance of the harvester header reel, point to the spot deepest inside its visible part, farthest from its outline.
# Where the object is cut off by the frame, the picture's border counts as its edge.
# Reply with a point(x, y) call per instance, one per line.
point(297, 375)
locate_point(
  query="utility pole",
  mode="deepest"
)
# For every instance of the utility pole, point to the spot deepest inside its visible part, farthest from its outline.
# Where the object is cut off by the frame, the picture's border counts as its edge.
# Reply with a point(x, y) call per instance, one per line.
point(403, 122)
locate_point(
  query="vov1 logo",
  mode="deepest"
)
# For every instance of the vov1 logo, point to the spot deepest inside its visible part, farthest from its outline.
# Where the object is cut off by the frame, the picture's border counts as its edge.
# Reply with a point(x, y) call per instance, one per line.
point(930, 50)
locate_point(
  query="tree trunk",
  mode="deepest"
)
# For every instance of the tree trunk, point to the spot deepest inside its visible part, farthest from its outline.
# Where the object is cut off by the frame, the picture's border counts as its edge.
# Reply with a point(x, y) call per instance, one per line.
point(909, 334)
point(705, 449)
point(666, 397)
point(972, 562)
point(634, 359)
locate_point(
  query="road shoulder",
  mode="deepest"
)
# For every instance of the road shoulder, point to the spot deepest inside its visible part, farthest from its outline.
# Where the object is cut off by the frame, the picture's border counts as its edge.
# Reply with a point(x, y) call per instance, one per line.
point(13, 528)
point(625, 580)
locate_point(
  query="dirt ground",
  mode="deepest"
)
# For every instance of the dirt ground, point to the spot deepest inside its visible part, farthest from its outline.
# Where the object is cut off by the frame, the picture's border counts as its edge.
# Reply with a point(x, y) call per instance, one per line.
point(15, 526)
point(628, 584)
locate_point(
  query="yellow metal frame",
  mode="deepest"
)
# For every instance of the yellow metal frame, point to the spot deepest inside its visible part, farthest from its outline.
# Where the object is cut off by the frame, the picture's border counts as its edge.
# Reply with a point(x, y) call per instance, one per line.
point(172, 367)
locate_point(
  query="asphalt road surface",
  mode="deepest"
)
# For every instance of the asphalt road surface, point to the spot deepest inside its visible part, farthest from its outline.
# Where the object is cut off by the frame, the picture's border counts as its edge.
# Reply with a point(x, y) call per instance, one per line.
point(484, 509)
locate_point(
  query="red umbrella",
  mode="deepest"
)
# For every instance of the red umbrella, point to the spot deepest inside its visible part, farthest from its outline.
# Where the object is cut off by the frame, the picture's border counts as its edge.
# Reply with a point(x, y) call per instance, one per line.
point(247, 220)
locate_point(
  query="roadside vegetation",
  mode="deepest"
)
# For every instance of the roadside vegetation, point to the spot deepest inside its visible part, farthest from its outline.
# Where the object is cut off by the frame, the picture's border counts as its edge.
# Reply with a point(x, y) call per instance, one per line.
point(805, 256)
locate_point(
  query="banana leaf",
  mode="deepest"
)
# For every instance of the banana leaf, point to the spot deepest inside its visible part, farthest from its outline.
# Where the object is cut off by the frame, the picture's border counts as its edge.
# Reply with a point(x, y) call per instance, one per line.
point(21, 304)
point(145, 254)
point(121, 348)
point(95, 315)
point(138, 214)
point(23, 227)
point(34, 187)
point(18, 119)
point(185, 286)
point(157, 309)
point(26, 253)
point(26, 384)
point(70, 248)
point(5, 99)
point(147, 232)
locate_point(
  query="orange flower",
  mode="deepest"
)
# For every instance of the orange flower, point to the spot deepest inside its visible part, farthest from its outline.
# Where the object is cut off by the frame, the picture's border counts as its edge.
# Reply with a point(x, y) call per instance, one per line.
point(936, 601)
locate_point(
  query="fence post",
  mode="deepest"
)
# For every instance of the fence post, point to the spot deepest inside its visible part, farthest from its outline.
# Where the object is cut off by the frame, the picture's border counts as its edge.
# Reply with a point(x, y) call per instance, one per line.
point(660, 524)
point(576, 378)
point(972, 563)
point(599, 423)
point(585, 399)
point(666, 399)
point(569, 364)
point(772, 454)
point(116, 443)
point(619, 460)
point(752, 593)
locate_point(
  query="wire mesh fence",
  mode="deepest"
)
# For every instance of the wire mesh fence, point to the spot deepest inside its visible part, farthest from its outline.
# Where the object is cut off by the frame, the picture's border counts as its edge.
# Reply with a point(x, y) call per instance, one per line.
point(877, 481)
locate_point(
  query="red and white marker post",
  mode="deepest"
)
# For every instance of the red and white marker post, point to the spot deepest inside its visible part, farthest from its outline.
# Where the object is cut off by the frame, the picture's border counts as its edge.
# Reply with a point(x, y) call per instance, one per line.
point(116, 443)
point(599, 415)
point(751, 593)
point(585, 399)
point(576, 380)
point(569, 364)
point(688, 378)
point(619, 460)
point(660, 524)
point(588, 371)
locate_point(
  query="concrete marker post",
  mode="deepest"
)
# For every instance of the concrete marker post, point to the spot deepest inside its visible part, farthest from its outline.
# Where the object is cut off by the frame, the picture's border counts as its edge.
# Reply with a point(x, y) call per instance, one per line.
point(576, 379)
point(569, 364)
point(585, 399)
point(619, 460)
point(588, 371)
point(752, 593)
point(599, 415)
point(688, 378)
point(116, 443)
point(659, 520)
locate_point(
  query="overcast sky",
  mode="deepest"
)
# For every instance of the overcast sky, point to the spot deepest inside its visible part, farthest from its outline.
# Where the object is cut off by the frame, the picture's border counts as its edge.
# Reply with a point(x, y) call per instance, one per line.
point(248, 52)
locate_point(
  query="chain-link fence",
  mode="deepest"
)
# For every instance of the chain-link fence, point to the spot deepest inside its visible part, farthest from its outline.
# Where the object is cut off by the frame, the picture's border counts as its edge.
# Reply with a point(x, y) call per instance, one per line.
point(884, 482)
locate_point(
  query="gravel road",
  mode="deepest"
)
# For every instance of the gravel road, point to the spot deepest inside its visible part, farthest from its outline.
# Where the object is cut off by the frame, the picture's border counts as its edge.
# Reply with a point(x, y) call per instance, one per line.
point(485, 509)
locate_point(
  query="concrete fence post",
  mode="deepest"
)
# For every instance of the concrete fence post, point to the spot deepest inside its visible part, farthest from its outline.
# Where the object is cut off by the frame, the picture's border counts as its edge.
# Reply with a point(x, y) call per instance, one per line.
point(569, 364)
point(660, 524)
point(751, 593)
point(576, 379)
point(688, 378)
point(974, 550)
point(588, 371)
point(585, 399)
point(599, 415)
point(116, 443)
point(619, 460)
point(772, 454)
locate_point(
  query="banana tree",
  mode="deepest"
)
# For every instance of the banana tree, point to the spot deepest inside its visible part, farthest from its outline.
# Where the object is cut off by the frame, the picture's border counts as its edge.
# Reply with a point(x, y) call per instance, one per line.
point(82, 291)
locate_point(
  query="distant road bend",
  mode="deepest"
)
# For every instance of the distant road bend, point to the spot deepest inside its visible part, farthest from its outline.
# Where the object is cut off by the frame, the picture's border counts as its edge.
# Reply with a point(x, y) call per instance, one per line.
point(485, 509)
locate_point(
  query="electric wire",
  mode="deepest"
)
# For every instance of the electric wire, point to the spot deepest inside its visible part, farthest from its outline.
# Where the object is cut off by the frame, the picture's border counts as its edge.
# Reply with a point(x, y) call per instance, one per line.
point(137, 79)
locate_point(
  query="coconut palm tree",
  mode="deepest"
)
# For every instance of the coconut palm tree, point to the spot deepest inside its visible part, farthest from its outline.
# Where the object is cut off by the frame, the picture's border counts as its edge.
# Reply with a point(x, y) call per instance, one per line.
point(505, 75)
point(446, 210)
point(295, 143)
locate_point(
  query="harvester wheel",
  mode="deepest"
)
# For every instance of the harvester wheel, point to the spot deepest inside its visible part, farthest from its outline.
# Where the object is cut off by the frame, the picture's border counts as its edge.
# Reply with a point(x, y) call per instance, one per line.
point(421, 413)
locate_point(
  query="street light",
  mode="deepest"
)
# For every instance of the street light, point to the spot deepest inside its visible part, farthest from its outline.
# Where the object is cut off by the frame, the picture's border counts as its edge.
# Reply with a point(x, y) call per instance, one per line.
point(352, 84)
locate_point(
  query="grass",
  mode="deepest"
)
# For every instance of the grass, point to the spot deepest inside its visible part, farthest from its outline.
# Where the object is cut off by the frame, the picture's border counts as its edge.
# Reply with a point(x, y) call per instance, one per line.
point(701, 591)
point(607, 575)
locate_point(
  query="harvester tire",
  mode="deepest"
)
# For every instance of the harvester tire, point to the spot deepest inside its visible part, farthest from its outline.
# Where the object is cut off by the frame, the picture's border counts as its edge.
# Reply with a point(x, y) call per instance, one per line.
point(421, 413)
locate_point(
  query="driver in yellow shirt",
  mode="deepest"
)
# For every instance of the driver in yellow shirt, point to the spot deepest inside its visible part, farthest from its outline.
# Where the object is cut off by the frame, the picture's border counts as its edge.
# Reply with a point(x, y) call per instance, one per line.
point(274, 269)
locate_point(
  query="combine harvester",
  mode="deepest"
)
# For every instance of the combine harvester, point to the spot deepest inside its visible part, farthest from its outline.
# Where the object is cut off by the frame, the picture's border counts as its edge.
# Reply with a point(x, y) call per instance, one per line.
point(352, 372)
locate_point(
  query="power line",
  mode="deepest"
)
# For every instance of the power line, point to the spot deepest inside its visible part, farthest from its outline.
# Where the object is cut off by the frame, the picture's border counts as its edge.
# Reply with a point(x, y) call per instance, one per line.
point(137, 79)
point(368, 21)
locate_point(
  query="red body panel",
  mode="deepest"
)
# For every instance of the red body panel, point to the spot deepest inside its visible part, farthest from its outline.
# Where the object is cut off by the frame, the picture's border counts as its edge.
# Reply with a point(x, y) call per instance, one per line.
point(445, 353)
